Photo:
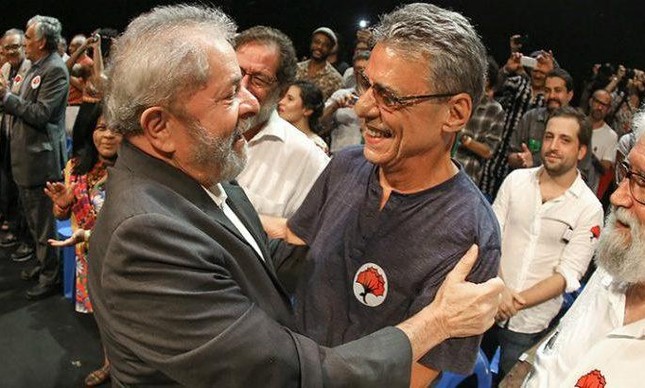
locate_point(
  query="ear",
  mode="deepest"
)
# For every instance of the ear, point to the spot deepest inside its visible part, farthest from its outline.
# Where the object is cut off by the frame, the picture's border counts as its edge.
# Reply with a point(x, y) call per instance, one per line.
point(461, 106)
point(582, 151)
point(307, 112)
point(157, 124)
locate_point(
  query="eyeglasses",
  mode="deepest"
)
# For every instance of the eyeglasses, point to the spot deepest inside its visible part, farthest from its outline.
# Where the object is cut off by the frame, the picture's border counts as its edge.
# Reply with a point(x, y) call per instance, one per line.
point(259, 80)
point(391, 101)
point(636, 181)
point(12, 47)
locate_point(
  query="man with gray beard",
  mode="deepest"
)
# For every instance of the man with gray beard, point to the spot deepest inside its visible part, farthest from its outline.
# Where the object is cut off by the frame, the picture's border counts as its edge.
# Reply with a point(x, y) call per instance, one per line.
point(283, 163)
point(600, 341)
point(182, 279)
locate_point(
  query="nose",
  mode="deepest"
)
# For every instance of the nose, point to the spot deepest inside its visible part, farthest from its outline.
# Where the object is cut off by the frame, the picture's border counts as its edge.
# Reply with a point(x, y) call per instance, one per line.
point(249, 105)
point(622, 196)
point(366, 107)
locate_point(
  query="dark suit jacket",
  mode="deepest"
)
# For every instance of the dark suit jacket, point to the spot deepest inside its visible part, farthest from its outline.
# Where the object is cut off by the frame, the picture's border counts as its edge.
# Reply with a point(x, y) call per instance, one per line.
point(181, 299)
point(37, 140)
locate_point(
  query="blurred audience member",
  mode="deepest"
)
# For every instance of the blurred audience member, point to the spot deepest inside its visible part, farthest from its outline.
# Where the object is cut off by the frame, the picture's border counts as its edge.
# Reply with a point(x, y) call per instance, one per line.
point(81, 198)
point(627, 87)
point(282, 162)
point(518, 94)
point(38, 143)
point(79, 65)
point(480, 137)
point(14, 229)
point(302, 106)
point(316, 69)
point(339, 118)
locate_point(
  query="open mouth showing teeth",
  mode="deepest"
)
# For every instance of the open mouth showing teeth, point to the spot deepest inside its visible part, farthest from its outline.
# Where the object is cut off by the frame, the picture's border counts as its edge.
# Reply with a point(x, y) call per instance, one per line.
point(378, 133)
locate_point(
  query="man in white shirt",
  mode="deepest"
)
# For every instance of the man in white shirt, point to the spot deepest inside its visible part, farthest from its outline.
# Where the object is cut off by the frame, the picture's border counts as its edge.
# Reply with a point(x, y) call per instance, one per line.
point(601, 339)
point(550, 221)
point(282, 163)
point(604, 140)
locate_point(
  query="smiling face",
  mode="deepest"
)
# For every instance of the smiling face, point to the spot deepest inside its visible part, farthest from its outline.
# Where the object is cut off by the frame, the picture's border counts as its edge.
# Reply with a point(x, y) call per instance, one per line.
point(556, 93)
point(106, 141)
point(321, 46)
point(207, 135)
point(291, 107)
point(13, 50)
point(621, 248)
point(560, 146)
point(404, 137)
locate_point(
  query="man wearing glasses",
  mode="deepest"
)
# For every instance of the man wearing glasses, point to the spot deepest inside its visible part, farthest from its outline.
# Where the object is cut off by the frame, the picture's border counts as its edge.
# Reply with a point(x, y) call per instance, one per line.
point(13, 72)
point(599, 342)
point(386, 222)
point(282, 163)
point(550, 222)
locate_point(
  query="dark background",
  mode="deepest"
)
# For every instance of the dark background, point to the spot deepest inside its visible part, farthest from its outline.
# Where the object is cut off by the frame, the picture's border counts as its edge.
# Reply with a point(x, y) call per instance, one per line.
point(580, 32)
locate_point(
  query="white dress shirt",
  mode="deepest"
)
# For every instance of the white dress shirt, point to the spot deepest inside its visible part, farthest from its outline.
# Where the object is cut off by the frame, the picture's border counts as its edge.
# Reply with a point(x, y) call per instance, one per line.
point(591, 342)
point(282, 166)
point(218, 195)
point(541, 239)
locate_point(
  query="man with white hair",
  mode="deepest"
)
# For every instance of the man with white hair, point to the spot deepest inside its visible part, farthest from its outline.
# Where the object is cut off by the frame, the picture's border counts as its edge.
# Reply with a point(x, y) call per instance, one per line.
point(38, 152)
point(181, 276)
point(600, 340)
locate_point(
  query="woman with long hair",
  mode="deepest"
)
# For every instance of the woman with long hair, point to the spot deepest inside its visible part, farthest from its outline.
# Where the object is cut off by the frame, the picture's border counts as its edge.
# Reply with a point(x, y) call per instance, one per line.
point(80, 198)
point(302, 105)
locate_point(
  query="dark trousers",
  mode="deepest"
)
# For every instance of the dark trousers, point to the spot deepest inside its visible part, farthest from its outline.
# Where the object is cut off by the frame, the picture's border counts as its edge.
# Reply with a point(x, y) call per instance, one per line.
point(42, 226)
point(10, 205)
point(511, 346)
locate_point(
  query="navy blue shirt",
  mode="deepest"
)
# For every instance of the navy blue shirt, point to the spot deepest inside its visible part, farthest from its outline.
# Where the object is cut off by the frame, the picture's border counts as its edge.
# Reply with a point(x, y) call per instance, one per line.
point(369, 268)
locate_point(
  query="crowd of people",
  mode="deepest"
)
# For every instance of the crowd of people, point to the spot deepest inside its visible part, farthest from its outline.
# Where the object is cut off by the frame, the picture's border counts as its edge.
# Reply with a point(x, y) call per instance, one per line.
point(242, 218)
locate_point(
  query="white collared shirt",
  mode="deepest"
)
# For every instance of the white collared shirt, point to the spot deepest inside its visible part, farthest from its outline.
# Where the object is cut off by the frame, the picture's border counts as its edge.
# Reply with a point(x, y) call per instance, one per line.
point(591, 342)
point(282, 166)
point(219, 196)
point(540, 239)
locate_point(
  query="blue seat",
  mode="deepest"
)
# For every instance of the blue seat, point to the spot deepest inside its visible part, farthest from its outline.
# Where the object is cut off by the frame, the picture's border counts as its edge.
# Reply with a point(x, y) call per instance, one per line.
point(482, 371)
point(64, 229)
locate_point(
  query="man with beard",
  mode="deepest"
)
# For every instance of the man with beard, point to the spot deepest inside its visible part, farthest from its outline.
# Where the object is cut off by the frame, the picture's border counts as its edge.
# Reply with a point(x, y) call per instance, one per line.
point(38, 144)
point(283, 163)
point(550, 221)
point(603, 141)
point(181, 276)
point(525, 144)
point(316, 69)
point(600, 341)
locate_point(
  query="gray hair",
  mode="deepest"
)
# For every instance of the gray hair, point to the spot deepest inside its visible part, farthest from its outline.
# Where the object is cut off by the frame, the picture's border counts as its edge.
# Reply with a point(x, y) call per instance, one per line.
point(638, 123)
point(15, 31)
point(445, 39)
point(49, 28)
point(157, 61)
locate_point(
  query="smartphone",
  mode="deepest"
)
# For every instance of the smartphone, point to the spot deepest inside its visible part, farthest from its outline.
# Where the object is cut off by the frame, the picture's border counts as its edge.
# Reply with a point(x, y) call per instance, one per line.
point(528, 61)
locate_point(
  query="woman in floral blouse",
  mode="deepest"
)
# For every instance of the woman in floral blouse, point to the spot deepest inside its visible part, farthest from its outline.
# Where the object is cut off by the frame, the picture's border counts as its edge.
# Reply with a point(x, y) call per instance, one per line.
point(81, 198)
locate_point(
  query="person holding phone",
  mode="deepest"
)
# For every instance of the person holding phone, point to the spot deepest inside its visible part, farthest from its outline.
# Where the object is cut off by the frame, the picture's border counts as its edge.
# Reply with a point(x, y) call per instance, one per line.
point(339, 118)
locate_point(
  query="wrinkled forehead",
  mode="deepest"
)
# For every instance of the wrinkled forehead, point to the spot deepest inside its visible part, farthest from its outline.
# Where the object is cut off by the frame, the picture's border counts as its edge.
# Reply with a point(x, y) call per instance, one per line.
point(636, 156)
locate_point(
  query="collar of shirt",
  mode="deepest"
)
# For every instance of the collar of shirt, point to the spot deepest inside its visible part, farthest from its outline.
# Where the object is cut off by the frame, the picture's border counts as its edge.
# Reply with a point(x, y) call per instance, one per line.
point(272, 129)
point(575, 189)
point(217, 194)
point(616, 293)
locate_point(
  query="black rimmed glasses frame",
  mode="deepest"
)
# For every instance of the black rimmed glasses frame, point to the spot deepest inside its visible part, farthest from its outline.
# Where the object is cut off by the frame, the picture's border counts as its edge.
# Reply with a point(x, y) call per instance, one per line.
point(259, 80)
point(636, 182)
point(390, 100)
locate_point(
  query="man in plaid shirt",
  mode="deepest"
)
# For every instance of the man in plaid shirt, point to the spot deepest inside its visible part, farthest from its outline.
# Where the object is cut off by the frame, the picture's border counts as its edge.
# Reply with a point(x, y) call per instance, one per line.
point(480, 137)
